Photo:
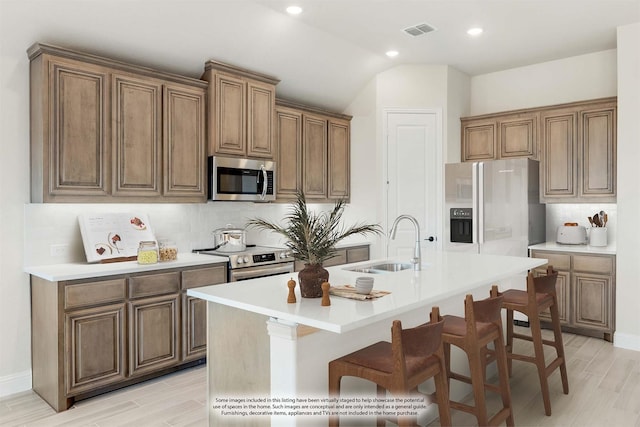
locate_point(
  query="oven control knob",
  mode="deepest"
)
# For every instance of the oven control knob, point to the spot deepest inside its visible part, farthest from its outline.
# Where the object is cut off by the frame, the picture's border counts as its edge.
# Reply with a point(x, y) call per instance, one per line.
point(239, 260)
point(246, 259)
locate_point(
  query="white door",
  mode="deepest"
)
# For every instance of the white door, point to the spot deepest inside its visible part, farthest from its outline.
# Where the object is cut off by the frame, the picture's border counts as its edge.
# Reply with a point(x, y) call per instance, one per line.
point(413, 178)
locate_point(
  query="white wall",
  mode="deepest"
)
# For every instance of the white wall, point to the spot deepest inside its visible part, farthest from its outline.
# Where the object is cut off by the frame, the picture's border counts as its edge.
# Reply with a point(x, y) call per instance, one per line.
point(571, 79)
point(411, 87)
point(628, 265)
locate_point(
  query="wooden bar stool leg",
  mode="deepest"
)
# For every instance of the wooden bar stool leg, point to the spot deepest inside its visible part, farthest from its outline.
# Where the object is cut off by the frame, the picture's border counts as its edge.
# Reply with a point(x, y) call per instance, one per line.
point(509, 346)
point(334, 391)
point(442, 395)
point(557, 335)
point(538, 350)
point(503, 375)
point(477, 382)
point(381, 393)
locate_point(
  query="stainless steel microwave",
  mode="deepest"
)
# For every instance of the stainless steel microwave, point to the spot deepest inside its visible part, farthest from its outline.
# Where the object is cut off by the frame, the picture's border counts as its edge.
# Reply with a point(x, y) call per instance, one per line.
point(241, 179)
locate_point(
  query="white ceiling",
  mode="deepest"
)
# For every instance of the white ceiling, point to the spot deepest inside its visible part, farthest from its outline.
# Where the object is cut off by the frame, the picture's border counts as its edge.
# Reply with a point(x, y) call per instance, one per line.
point(327, 54)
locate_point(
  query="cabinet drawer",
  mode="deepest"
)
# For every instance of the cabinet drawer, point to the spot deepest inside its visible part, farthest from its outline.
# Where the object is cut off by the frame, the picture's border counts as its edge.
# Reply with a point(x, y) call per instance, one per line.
point(154, 284)
point(339, 259)
point(204, 276)
point(85, 294)
point(558, 261)
point(593, 264)
point(358, 254)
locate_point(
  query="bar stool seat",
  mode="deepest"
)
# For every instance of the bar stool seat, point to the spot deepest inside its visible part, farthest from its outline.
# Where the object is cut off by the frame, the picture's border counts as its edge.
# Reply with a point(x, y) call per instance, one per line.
point(540, 296)
point(413, 356)
point(481, 325)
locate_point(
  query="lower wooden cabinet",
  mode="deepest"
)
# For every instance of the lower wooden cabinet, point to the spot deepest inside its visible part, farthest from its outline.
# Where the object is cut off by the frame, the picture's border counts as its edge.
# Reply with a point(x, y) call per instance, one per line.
point(154, 325)
point(343, 256)
point(586, 291)
point(97, 334)
point(95, 342)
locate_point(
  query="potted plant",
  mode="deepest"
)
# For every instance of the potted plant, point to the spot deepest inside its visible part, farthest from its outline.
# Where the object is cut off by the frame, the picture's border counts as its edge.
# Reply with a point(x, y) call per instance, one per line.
point(312, 238)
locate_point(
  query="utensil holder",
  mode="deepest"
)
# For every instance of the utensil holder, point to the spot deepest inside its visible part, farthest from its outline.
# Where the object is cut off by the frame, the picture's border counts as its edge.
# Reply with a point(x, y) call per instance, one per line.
point(598, 236)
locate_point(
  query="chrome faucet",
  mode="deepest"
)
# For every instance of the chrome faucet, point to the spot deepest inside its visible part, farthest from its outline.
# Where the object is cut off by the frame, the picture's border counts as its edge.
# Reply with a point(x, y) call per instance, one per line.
point(417, 258)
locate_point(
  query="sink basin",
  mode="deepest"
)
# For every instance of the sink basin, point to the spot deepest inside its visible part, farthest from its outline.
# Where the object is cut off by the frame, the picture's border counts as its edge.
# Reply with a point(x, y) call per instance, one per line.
point(386, 267)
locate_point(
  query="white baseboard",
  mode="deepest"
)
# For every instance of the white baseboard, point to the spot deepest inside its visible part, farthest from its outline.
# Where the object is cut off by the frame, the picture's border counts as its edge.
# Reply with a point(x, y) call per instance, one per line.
point(628, 341)
point(15, 383)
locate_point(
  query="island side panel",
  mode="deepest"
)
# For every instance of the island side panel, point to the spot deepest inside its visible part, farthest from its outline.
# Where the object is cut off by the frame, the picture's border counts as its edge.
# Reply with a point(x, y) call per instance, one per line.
point(238, 360)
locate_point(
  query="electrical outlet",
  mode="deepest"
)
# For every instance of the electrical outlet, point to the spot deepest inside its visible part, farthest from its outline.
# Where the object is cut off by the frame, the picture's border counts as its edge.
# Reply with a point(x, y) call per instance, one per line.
point(59, 250)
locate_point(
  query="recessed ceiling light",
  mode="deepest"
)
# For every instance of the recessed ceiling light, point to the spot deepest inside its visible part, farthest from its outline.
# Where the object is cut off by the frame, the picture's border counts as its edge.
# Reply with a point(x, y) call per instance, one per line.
point(392, 53)
point(475, 31)
point(294, 10)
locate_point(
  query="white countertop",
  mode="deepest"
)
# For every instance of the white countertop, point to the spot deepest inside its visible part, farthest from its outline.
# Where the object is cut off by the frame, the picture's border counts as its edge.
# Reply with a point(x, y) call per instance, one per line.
point(443, 275)
point(72, 271)
point(553, 246)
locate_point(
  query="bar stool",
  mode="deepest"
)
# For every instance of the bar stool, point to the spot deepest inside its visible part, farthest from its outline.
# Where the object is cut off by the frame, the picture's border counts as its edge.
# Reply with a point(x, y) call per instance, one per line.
point(413, 356)
point(481, 325)
point(539, 296)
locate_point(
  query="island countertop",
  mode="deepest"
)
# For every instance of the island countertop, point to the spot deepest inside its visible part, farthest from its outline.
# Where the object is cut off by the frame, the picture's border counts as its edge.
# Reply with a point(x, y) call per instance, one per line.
point(443, 275)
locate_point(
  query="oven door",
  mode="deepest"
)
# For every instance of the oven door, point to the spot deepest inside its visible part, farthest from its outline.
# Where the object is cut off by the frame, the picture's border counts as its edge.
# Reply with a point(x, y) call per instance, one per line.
point(238, 274)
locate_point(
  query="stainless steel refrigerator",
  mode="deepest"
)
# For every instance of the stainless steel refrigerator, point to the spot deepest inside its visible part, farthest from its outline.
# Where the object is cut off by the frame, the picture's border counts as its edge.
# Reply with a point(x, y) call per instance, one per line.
point(493, 207)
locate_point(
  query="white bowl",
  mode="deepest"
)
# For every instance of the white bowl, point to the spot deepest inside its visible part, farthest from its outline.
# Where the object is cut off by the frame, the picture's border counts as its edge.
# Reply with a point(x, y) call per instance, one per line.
point(364, 288)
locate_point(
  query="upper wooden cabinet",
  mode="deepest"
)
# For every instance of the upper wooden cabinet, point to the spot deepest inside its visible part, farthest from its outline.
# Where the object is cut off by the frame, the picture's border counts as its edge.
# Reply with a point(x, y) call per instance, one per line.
point(313, 154)
point(579, 152)
point(241, 106)
point(575, 143)
point(500, 136)
point(107, 131)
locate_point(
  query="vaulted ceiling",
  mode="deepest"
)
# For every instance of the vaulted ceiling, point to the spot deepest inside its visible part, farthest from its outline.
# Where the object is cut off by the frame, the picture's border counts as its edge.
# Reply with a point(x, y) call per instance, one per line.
point(325, 55)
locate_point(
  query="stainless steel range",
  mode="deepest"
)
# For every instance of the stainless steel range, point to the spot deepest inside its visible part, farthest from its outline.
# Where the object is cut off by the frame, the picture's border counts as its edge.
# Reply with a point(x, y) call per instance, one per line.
point(254, 262)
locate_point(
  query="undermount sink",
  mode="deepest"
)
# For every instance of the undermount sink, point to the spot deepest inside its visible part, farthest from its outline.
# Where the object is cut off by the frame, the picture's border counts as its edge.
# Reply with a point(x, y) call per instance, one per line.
point(386, 267)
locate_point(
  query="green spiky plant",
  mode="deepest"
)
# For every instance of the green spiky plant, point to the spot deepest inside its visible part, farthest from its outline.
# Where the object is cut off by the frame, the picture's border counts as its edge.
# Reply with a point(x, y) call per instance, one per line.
point(312, 237)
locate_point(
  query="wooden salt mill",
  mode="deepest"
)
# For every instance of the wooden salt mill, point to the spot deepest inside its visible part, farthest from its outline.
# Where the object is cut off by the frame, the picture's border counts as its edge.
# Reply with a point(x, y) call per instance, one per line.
point(325, 294)
point(292, 295)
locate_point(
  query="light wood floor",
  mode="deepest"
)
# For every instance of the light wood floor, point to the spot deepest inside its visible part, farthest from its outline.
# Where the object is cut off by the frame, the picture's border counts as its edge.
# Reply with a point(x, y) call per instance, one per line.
point(604, 390)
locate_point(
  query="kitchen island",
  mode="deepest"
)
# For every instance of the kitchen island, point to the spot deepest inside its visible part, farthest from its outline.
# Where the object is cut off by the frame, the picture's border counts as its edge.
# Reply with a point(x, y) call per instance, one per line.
point(261, 348)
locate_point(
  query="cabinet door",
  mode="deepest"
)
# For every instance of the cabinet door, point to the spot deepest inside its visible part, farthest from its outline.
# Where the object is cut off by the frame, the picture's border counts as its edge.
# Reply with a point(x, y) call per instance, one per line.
point(338, 259)
point(563, 293)
point(153, 333)
point(478, 140)
point(314, 163)
point(194, 328)
point(260, 106)
point(592, 301)
point(338, 159)
point(230, 113)
point(137, 135)
point(94, 343)
point(358, 254)
point(598, 154)
point(289, 157)
point(517, 137)
point(194, 310)
point(184, 142)
point(559, 161)
point(77, 158)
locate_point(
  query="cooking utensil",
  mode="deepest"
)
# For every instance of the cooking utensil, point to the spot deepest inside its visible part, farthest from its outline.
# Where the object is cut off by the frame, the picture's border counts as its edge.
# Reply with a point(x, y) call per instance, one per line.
point(596, 220)
point(229, 239)
point(590, 221)
point(606, 218)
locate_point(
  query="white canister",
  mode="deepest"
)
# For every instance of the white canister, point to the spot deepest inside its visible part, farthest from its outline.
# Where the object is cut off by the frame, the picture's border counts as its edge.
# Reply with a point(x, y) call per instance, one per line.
point(598, 236)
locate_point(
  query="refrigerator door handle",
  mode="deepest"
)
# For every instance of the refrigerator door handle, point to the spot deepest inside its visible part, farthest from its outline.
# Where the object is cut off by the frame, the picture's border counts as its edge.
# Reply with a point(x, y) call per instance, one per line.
point(474, 202)
point(480, 204)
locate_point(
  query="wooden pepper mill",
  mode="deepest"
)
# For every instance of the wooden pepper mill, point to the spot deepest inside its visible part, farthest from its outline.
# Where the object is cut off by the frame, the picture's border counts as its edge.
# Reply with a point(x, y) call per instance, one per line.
point(325, 294)
point(292, 295)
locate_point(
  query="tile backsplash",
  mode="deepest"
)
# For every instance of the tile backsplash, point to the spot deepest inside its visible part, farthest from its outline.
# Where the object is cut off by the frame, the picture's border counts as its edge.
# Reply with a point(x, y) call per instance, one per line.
point(52, 234)
point(559, 213)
